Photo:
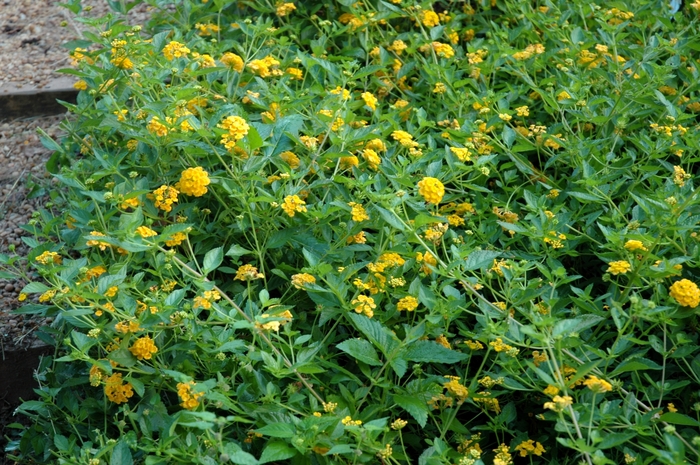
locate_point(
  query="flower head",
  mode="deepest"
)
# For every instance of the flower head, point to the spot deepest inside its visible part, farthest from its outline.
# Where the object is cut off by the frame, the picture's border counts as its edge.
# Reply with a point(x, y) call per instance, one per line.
point(193, 181)
point(431, 189)
point(686, 293)
point(190, 399)
point(143, 348)
point(293, 204)
point(116, 390)
point(248, 272)
point(619, 267)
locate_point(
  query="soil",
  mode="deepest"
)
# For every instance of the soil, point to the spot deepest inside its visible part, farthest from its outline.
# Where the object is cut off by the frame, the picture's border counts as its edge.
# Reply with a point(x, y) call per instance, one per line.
point(32, 34)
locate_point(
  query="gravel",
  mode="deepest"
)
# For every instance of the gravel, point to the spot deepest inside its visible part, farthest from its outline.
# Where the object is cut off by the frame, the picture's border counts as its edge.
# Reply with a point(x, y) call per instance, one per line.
point(32, 33)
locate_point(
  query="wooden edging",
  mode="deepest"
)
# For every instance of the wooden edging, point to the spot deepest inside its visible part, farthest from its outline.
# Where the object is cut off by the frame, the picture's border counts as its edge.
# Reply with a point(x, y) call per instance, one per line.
point(29, 100)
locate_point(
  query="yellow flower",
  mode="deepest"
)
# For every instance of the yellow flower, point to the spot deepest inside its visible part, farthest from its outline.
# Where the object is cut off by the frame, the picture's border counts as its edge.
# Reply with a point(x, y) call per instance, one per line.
point(455, 388)
point(283, 9)
point(358, 212)
point(371, 158)
point(157, 128)
point(116, 391)
point(428, 260)
point(80, 85)
point(349, 421)
point(370, 100)
point(429, 18)
point(431, 189)
point(301, 279)
point(503, 456)
point(633, 245)
point(176, 239)
point(143, 348)
point(248, 272)
point(190, 399)
point(348, 162)
point(49, 257)
point(193, 181)
point(523, 111)
point(164, 197)
point(233, 61)
point(596, 384)
point(22, 297)
point(559, 403)
point(398, 424)
point(563, 95)
point(619, 267)
point(364, 304)
point(530, 447)
point(538, 357)
point(408, 303)
point(474, 345)
point(112, 291)
point(686, 293)
point(462, 153)
point(145, 231)
point(293, 204)
point(551, 391)
point(175, 50)
point(291, 159)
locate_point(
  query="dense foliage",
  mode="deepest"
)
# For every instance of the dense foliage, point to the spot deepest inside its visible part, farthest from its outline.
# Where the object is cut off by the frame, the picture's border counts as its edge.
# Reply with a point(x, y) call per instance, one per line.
point(374, 232)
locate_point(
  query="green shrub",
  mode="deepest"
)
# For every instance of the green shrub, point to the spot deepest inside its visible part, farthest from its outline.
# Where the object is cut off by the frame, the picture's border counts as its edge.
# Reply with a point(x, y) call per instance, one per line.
point(374, 232)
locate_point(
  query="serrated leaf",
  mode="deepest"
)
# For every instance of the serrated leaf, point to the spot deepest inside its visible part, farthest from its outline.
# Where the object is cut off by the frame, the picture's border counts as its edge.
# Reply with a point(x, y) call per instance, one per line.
point(35, 288)
point(277, 430)
point(508, 136)
point(431, 352)
point(479, 259)
point(121, 455)
point(390, 218)
point(379, 335)
point(236, 251)
point(575, 325)
point(416, 407)
point(636, 364)
point(122, 357)
point(676, 418)
point(242, 457)
point(277, 450)
point(212, 260)
point(360, 349)
point(614, 439)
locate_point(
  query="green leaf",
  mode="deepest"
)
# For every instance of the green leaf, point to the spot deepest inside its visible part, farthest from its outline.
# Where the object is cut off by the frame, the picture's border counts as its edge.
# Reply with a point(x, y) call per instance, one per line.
point(82, 341)
point(585, 196)
point(278, 430)
point(508, 136)
point(676, 418)
point(575, 325)
point(615, 439)
point(212, 260)
point(61, 443)
point(243, 458)
point(637, 364)
point(479, 259)
point(431, 352)
point(360, 349)
point(237, 251)
point(35, 288)
point(121, 455)
point(277, 450)
point(391, 218)
point(341, 449)
point(379, 335)
point(123, 357)
point(416, 407)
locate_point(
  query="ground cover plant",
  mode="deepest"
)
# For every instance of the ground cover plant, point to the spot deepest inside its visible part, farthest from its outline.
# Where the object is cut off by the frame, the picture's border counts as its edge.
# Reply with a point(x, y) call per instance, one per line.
point(373, 232)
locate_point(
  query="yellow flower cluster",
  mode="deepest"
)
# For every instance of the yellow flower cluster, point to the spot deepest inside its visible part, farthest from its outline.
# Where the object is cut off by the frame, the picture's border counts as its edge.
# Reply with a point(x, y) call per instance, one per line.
point(248, 272)
point(193, 181)
point(233, 61)
point(237, 129)
point(372, 158)
point(295, 73)
point(474, 345)
point(291, 159)
point(293, 204)
point(190, 400)
point(530, 447)
point(265, 67)
point(175, 50)
point(116, 390)
point(358, 212)
point(157, 128)
point(633, 245)
point(275, 324)
point(370, 100)
point(538, 357)
point(119, 55)
point(686, 293)
point(489, 403)
point(176, 239)
point(408, 303)
point(143, 348)
point(283, 9)
point(49, 257)
point(680, 176)
point(427, 261)
point(302, 279)
point(462, 153)
point(503, 456)
point(348, 421)
point(559, 403)
point(145, 231)
point(398, 424)
point(619, 267)
point(364, 304)
point(429, 18)
point(204, 301)
point(431, 189)
point(530, 50)
point(95, 243)
point(456, 388)
point(207, 29)
point(596, 384)
point(165, 196)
